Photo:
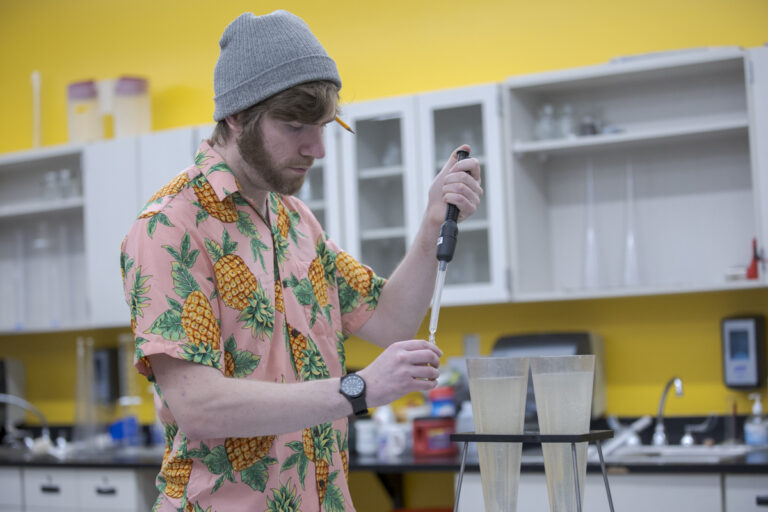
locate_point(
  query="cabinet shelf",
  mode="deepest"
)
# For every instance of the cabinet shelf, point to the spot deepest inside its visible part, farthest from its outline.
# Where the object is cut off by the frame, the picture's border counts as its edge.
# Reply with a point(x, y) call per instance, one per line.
point(40, 207)
point(605, 293)
point(690, 129)
point(31, 155)
point(474, 225)
point(380, 172)
point(383, 233)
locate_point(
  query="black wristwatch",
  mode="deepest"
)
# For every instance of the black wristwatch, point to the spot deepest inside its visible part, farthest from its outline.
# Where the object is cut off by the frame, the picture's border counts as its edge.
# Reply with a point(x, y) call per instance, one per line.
point(352, 386)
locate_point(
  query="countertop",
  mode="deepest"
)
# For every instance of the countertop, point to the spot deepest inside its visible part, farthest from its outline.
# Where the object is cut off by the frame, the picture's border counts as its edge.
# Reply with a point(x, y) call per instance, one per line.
point(148, 458)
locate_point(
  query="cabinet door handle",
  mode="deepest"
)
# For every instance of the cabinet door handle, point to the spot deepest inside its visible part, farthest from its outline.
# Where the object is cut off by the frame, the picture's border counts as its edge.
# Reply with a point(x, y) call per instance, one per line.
point(762, 500)
point(50, 489)
point(106, 491)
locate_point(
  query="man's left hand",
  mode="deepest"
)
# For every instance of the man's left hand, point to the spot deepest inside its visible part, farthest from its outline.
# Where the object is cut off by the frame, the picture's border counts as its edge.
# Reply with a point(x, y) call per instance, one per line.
point(458, 183)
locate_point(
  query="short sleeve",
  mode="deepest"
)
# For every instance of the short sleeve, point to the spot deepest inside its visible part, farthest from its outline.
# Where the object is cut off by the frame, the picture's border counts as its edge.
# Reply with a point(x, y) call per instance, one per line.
point(169, 287)
point(358, 287)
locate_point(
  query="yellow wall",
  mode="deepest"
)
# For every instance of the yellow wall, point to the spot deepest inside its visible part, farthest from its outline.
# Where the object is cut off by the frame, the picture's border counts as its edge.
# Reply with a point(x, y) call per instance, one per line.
point(382, 48)
point(385, 49)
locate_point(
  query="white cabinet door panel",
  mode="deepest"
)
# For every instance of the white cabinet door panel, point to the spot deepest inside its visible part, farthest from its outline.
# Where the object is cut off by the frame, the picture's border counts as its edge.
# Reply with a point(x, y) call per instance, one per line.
point(10, 487)
point(107, 489)
point(110, 194)
point(50, 489)
point(741, 492)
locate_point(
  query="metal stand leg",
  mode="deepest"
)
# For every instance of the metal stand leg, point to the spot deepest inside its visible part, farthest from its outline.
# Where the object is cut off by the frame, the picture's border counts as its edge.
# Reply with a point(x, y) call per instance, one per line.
point(605, 474)
point(576, 477)
point(464, 451)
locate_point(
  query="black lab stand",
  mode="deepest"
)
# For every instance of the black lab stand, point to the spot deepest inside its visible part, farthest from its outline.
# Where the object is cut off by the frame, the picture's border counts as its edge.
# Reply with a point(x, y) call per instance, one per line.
point(595, 436)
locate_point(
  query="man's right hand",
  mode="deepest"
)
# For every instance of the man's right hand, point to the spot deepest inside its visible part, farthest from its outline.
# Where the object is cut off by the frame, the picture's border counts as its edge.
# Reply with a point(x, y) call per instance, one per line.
point(403, 367)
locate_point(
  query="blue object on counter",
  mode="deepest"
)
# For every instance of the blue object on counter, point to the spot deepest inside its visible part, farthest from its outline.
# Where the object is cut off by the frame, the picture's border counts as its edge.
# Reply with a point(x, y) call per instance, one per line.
point(125, 431)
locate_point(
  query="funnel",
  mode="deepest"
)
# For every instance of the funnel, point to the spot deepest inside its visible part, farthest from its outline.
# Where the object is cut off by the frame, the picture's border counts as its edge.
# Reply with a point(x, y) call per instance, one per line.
point(563, 389)
point(498, 386)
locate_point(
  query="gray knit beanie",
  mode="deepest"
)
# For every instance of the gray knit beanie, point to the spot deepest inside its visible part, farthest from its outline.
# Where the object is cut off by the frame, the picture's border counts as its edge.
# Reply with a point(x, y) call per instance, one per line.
point(264, 55)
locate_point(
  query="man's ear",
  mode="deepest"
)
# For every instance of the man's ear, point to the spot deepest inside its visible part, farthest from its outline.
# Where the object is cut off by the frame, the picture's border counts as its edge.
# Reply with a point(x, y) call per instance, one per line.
point(234, 124)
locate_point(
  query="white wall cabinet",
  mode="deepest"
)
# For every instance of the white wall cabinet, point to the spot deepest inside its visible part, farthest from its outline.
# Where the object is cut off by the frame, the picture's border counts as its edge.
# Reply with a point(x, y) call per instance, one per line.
point(630, 493)
point(388, 166)
point(666, 196)
point(42, 251)
point(381, 189)
point(111, 190)
point(11, 496)
point(63, 214)
point(52, 489)
point(478, 272)
point(741, 492)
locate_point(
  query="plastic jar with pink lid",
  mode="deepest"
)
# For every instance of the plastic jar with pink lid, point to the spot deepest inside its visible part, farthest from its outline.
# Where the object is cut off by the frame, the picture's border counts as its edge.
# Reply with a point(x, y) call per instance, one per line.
point(131, 108)
point(84, 122)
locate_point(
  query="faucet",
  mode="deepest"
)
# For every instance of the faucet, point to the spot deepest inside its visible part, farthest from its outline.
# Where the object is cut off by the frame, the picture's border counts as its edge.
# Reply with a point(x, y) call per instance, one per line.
point(659, 435)
point(20, 402)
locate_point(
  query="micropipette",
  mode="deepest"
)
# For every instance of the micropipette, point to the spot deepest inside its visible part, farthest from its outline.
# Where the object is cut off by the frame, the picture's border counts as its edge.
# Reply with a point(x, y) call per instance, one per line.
point(446, 245)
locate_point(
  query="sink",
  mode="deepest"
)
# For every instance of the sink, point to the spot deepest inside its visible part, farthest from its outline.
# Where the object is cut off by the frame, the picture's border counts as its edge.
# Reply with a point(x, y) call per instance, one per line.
point(682, 454)
point(13, 452)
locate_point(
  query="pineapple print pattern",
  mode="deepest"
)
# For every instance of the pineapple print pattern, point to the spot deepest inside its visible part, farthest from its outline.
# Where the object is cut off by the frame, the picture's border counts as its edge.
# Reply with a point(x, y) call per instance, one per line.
point(195, 319)
point(344, 451)
point(356, 282)
point(306, 359)
point(238, 363)
point(283, 227)
point(248, 457)
point(242, 452)
point(171, 188)
point(284, 499)
point(239, 288)
point(175, 471)
point(207, 297)
point(153, 211)
point(210, 205)
point(316, 447)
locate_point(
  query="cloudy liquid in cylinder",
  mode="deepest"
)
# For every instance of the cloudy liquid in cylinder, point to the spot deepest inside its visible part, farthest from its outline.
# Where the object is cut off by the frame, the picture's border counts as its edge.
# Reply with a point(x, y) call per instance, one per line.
point(563, 405)
point(498, 405)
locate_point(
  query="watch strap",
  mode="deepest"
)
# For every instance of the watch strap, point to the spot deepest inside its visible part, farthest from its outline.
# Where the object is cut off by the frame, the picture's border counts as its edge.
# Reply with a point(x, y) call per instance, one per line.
point(359, 406)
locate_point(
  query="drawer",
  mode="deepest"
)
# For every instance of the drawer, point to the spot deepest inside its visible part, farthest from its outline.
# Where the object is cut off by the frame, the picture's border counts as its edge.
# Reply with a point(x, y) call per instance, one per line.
point(10, 488)
point(50, 488)
point(113, 489)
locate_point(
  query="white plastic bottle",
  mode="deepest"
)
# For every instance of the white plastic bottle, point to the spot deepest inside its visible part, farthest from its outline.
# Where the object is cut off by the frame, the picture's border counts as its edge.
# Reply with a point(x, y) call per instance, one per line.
point(756, 427)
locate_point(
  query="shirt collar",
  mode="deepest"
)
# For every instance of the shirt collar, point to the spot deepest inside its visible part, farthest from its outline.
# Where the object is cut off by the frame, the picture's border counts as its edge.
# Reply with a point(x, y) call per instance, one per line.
point(216, 171)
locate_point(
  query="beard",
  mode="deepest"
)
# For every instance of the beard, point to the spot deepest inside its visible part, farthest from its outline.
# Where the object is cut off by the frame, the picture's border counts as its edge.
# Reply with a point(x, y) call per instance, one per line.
point(251, 147)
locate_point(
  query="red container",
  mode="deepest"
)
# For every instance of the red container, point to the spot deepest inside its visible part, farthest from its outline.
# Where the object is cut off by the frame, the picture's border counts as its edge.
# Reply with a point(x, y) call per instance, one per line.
point(431, 437)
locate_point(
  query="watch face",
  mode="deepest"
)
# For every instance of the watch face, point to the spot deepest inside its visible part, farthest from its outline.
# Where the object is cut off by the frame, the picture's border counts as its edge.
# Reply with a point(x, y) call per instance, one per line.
point(352, 385)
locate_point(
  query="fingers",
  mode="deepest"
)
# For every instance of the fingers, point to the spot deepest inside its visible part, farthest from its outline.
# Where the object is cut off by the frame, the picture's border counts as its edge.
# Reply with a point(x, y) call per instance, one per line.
point(419, 351)
point(461, 183)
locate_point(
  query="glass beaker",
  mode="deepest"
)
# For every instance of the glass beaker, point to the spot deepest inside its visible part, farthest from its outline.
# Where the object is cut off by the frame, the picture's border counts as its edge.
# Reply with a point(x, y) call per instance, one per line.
point(562, 386)
point(86, 426)
point(497, 387)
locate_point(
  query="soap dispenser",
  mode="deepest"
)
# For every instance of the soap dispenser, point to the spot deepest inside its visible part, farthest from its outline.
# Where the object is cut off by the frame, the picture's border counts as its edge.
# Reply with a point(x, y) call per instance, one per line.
point(756, 427)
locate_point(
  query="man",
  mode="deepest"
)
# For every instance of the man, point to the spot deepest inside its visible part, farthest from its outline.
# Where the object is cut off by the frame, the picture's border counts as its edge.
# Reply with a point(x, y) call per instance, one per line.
point(240, 304)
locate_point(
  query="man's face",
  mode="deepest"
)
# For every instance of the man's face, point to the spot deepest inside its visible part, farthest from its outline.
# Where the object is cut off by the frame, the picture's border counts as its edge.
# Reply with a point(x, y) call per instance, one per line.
point(280, 153)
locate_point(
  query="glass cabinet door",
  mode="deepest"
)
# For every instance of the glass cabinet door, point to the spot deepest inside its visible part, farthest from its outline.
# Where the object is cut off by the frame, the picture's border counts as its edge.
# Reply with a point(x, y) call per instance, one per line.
point(381, 195)
point(469, 116)
point(321, 187)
